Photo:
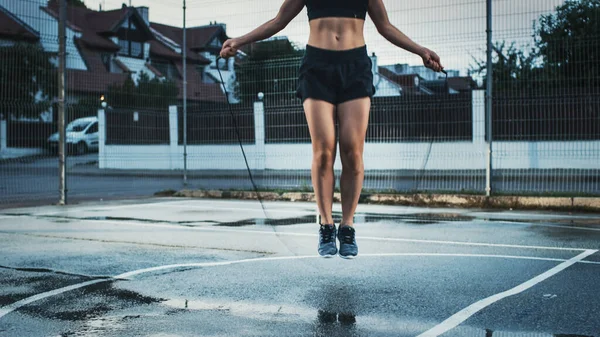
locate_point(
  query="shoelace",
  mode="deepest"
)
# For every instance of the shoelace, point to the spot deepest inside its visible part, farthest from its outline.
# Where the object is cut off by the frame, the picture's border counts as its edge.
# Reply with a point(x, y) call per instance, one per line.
point(347, 236)
point(327, 233)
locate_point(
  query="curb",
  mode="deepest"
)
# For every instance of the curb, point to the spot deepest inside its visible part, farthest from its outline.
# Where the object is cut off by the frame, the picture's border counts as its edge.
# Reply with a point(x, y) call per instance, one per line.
point(585, 204)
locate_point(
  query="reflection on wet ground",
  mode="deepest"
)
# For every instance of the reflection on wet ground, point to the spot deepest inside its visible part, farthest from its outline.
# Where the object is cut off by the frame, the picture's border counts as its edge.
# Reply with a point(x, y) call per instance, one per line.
point(418, 218)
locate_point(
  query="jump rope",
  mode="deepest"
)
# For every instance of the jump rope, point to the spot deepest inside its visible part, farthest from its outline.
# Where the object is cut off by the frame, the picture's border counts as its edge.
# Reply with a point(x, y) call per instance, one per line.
point(239, 138)
point(426, 161)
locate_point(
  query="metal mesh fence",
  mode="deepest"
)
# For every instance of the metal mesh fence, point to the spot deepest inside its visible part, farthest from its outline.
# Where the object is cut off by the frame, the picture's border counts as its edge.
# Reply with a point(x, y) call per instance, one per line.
point(129, 134)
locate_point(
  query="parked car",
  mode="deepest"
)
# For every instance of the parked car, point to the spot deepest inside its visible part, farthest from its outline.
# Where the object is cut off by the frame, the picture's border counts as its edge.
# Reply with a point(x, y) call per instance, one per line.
point(82, 136)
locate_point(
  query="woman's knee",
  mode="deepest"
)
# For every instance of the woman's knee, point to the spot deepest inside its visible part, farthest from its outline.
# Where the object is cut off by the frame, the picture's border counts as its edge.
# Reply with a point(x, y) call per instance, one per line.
point(323, 159)
point(352, 161)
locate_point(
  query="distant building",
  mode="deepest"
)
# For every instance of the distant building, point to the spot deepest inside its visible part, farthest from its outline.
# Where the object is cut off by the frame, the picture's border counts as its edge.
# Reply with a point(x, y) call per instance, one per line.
point(107, 47)
point(419, 80)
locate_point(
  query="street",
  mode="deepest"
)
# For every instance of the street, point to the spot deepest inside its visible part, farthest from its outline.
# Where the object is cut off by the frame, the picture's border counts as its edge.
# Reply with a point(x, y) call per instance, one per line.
point(36, 180)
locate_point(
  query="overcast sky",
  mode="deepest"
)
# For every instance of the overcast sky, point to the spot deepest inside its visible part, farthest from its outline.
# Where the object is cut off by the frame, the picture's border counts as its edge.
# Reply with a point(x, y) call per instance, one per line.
point(455, 29)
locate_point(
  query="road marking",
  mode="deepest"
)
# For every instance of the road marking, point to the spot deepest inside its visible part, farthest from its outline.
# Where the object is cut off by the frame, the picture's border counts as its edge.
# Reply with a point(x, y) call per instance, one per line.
point(230, 230)
point(15, 306)
point(461, 316)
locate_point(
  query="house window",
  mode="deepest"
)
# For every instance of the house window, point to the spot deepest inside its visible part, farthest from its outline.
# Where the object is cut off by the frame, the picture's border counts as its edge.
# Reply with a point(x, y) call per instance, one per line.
point(131, 48)
point(126, 25)
point(216, 43)
point(106, 60)
point(137, 49)
point(166, 68)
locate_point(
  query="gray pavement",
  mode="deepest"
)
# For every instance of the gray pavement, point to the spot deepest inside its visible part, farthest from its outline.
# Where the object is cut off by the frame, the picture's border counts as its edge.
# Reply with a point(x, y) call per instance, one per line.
point(183, 267)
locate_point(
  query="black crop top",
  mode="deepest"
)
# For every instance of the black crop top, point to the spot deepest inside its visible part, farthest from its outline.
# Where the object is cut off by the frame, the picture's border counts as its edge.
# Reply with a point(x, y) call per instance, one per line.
point(337, 8)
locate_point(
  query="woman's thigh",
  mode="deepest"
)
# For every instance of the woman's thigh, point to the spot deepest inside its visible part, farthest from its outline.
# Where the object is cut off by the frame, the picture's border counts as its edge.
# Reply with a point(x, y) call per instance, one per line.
point(353, 117)
point(320, 116)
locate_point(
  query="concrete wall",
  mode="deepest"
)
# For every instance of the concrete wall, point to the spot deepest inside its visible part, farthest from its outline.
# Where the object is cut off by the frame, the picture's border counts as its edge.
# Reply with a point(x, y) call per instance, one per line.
point(466, 155)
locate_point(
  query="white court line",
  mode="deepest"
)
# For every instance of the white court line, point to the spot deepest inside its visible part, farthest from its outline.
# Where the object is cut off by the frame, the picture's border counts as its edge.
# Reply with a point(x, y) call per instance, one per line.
point(461, 316)
point(228, 230)
point(15, 306)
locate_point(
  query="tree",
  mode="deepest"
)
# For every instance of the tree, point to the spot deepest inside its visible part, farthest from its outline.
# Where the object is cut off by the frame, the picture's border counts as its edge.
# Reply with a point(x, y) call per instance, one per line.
point(568, 43)
point(271, 68)
point(566, 52)
point(148, 93)
point(28, 80)
point(512, 68)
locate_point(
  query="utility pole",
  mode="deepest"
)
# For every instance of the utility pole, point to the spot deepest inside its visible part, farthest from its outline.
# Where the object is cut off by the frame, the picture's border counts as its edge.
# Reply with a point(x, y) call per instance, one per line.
point(184, 98)
point(62, 148)
point(488, 101)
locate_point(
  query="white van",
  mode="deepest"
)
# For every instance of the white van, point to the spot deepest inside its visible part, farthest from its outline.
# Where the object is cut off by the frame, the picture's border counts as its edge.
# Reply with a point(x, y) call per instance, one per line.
point(82, 136)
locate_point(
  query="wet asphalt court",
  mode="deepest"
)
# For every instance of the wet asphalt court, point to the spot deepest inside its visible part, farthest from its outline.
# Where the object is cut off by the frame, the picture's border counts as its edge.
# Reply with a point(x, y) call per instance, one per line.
point(183, 267)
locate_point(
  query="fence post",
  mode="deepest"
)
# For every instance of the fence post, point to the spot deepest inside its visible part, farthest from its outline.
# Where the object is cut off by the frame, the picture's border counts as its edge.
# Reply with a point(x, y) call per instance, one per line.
point(3, 137)
point(478, 108)
point(488, 101)
point(101, 139)
point(62, 147)
point(259, 135)
point(173, 136)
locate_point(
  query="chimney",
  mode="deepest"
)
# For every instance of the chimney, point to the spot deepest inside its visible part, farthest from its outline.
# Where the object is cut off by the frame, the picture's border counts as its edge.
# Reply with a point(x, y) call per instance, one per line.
point(375, 67)
point(144, 13)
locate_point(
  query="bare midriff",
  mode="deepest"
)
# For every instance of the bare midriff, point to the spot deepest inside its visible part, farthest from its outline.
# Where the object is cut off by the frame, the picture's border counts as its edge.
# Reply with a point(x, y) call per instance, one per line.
point(336, 33)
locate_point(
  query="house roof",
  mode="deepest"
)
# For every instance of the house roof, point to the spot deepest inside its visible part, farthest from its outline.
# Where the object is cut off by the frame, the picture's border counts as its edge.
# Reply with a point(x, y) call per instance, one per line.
point(198, 38)
point(13, 28)
point(462, 83)
point(406, 81)
point(92, 59)
point(90, 82)
point(197, 90)
point(96, 27)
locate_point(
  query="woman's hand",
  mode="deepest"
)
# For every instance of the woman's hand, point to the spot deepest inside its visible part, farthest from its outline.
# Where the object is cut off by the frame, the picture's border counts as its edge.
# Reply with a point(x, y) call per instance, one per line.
point(230, 48)
point(431, 60)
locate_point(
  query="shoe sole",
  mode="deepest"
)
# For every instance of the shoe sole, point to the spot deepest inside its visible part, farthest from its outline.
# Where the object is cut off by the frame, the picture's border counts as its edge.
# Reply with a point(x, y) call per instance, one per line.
point(327, 256)
point(347, 257)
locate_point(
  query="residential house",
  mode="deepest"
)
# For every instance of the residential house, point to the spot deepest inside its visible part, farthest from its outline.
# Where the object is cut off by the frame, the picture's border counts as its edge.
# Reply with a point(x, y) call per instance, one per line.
point(203, 46)
point(419, 80)
point(108, 47)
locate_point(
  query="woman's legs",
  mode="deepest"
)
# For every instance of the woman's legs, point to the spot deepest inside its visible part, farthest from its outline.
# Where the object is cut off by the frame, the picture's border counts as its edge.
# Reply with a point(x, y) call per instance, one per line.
point(320, 116)
point(353, 117)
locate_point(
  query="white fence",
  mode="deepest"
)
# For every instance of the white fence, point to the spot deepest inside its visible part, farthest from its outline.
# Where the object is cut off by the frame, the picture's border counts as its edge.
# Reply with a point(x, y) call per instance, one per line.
point(465, 155)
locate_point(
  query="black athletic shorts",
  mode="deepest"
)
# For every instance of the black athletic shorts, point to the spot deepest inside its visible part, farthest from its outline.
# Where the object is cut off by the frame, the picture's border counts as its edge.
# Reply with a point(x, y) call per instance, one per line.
point(335, 76)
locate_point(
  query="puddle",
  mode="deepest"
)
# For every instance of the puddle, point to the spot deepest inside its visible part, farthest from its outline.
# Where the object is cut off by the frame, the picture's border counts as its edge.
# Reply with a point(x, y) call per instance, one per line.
point(362, 218)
